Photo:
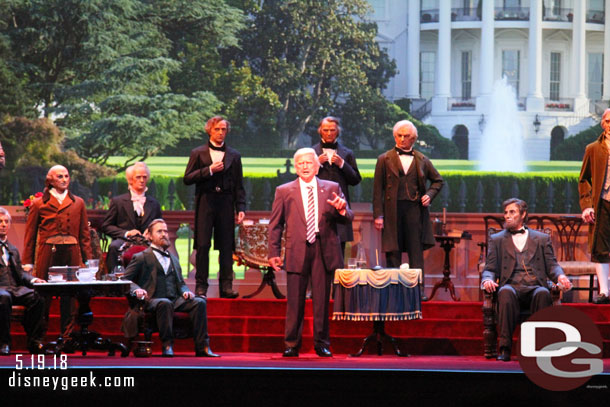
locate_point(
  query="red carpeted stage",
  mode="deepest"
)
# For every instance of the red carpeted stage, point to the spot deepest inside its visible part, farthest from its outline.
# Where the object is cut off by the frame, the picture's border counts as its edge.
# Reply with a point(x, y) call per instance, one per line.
point(446, 359)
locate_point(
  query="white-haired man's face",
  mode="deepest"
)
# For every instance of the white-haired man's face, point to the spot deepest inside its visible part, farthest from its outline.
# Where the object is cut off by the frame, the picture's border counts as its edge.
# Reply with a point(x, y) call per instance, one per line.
point(138, 180)
point(405, 137)
point(306, 166)
point(605, 123)
point(60, 179)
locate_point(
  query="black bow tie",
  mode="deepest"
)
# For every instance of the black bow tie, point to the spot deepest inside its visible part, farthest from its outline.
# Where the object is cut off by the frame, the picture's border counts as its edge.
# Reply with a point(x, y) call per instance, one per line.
point(332, 146)
point(515, 232)
point(213, 147)
point(403, 152)
point(161, 252)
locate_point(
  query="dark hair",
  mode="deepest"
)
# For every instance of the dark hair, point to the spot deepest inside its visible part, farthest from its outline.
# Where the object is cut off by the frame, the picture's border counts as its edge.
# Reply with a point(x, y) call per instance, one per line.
point(212, 122)
point(331, 119)
point(520, 203)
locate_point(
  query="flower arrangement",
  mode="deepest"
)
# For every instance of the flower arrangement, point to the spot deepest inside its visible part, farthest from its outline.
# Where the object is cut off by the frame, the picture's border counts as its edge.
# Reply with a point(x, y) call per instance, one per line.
point(27, 203)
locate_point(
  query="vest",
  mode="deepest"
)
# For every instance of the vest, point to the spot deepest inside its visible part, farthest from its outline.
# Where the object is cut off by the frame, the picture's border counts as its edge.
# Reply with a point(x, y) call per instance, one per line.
point(522, 275)
point(166, 284)
point(407, 184)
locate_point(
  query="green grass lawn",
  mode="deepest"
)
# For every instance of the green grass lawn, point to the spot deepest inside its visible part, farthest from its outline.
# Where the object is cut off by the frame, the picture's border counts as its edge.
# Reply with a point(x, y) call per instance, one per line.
point(182, 247)
point(267, 167)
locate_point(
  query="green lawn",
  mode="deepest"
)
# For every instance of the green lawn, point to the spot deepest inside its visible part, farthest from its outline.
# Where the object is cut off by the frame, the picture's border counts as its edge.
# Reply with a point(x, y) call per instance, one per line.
point(267, 167)
point(182, 248)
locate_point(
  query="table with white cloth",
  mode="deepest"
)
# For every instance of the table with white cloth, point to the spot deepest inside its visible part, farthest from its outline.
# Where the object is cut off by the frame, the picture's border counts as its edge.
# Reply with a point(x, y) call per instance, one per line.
point(378, 296)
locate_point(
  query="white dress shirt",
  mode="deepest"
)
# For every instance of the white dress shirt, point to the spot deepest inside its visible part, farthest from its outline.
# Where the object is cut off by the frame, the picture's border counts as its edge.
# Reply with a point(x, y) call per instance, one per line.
point(520, 239)
point(304, 193)
point(164, 261)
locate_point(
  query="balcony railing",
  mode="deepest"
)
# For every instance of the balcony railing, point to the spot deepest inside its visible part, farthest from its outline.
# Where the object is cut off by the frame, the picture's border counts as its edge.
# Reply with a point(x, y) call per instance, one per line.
point(559, 105)
point(461, 104)
point(513, 13)
point(558, 14)
point(429, 16)
point(596, 16)
point(465, 14)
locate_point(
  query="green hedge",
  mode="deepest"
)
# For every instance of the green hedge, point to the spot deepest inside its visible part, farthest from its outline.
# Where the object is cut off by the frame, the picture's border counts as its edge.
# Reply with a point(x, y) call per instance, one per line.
point(463, 193)
point(573, 148)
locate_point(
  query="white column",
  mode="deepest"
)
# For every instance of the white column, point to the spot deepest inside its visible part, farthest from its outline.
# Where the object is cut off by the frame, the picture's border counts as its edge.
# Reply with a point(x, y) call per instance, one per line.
point(535, 99)
point(413, 50)
point(606, 91)
point(443, 59)
point(487, 55)
point(579, 57)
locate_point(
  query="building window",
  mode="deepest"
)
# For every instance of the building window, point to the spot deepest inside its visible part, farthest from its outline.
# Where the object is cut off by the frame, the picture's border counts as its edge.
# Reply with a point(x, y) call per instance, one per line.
point(555, 76)
point(427, 61)
point(510, 68)
point(595, 75)
point(466, 74)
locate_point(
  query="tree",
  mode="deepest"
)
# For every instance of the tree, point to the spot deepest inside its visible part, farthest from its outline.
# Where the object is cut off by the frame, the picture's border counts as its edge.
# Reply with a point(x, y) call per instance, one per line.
point(313, 55)
point(103, 68)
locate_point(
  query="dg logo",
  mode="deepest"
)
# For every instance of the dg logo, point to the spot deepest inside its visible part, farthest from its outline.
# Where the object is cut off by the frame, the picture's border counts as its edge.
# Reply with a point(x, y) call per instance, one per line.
point(561, 348)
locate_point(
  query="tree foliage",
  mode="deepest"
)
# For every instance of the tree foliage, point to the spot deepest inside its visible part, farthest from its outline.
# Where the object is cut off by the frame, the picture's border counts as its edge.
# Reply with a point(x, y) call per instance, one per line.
point(573, 148)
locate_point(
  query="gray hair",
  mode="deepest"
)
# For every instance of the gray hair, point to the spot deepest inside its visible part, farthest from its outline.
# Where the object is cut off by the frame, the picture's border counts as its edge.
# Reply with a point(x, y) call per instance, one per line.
point(303, 151)
point(4, 212)
point(403, 123)
point(140, 164)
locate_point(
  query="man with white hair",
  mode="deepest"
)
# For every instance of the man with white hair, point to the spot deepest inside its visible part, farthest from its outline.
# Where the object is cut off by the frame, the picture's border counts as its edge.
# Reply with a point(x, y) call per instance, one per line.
point(57, 234)
point(130, 214)
point(2, 158)
point(308, 210)
point(401, 199)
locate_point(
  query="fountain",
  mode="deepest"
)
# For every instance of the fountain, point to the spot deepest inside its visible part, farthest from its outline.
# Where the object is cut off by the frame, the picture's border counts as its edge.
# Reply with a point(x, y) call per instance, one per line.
point(502, 139)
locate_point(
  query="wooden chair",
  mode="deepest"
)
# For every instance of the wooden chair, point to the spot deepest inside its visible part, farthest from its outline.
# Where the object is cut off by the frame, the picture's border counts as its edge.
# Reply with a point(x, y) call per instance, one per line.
point(494, 224)
point(567, 229)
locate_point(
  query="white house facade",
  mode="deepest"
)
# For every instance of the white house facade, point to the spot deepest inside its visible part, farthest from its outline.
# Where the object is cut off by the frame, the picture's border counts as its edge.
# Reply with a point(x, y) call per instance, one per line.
point(449, 53)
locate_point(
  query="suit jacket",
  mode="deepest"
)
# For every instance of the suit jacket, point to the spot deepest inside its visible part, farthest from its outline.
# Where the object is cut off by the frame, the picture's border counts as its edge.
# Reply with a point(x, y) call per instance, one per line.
point(198, 172)
point(348, 175)
point(500, 262)
point(66, 222)
point(288, 214)
point(142, 272)
point(121, 217)
point(591, 181)
point(385, 195)
point(21, 278)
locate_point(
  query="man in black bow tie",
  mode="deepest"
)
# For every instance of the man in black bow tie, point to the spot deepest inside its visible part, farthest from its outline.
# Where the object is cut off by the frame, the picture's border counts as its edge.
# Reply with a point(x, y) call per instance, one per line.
point(520, 261)
point(16, 288)
point(338, 164)
point(220, 202)
point(157, 278)
point(401, 199)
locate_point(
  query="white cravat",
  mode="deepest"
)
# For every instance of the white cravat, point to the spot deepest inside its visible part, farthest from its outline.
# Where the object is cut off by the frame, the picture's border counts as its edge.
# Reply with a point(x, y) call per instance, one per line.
point(304, 193)
point(60, 197)
point(406, 161)
point(520, 239)
point(138, 201)
point(216, 155)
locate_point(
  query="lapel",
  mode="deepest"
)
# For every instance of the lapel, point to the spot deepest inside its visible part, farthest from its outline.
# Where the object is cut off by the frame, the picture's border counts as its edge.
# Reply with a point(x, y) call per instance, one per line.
point(322, 197)
point(67, 202)
point(206, 158)
point(228, 158)
point(295, 191)
point(148, 205)
point(318, 149)
point(508, 245)
point(129, 208)
point(393, 162)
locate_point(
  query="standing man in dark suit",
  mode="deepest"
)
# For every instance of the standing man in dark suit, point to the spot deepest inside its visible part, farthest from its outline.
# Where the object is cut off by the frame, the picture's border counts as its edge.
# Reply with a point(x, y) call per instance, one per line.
point(401, 199)
point(130, 214)
point(307, 210)
point(338, 164)
point(216, 170)
point(16, 288)
point(594, 191)
point(521, 261)
point(157, 278)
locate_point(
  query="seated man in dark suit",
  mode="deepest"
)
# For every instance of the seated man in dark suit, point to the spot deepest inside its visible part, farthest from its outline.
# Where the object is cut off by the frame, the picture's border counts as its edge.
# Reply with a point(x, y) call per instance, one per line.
point(157, 278)
point(15, 288)
point(130, 214)
point(522, 260)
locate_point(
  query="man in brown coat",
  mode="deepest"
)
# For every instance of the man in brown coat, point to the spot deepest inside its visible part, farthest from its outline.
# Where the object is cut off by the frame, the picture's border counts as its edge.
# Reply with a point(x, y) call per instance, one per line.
point(57, 234)
point(594, 191)
point(401, 199)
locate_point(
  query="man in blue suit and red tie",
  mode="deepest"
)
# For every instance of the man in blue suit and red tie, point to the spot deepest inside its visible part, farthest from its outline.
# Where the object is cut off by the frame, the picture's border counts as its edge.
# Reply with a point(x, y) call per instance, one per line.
point(307, 210)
